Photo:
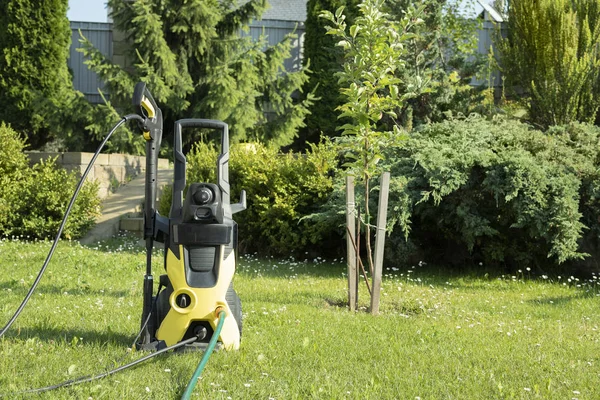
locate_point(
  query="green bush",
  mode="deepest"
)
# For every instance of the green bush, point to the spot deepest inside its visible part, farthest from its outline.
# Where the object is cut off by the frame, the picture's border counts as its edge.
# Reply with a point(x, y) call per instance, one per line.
point(33, 200)
point(463, 191)
point(281, 190)
point(498, 189)
point(13, 167)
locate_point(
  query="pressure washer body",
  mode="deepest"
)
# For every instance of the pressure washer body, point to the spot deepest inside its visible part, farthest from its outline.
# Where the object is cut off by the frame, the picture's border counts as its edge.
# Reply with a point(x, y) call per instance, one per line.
point(200, 244)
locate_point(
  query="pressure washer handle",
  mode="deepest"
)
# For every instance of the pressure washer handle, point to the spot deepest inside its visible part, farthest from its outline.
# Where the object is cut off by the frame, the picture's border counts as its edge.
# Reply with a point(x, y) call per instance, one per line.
point(222, 161)
point(144, 102)
point(209, 124)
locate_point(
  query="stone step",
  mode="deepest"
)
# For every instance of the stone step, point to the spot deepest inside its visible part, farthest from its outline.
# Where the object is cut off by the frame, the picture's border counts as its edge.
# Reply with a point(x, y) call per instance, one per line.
point(132, 224)
point(125, 202)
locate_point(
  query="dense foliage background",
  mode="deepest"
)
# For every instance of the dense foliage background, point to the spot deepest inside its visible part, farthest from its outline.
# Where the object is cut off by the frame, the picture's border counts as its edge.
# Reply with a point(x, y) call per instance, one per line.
point(393, 82)
point(34, 78)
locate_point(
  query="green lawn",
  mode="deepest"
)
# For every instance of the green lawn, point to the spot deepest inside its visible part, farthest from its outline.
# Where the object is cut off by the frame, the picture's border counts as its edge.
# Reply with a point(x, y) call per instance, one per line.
point(438, 336)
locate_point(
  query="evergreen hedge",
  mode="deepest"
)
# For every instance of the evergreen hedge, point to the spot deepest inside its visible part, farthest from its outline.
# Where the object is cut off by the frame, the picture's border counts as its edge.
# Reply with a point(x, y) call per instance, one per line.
point(498, 190)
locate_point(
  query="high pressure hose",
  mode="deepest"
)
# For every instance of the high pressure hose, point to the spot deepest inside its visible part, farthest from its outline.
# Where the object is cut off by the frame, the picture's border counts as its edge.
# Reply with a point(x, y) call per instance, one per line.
point(211, 346)
point(90, 378)
point(64, 221)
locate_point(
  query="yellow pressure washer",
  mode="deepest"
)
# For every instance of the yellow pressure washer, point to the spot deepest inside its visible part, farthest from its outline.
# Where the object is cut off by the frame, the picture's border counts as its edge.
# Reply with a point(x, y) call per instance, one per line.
point(200, 244)
point(199, 309)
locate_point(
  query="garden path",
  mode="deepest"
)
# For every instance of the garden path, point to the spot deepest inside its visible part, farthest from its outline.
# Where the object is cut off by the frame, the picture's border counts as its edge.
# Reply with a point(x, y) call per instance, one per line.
point(125, 201)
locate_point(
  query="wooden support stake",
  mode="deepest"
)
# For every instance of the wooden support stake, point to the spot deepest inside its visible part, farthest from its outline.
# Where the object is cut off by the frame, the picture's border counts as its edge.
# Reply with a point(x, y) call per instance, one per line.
point(350, 255)
point(384, 190)
point(362, 267)
point(358, 261)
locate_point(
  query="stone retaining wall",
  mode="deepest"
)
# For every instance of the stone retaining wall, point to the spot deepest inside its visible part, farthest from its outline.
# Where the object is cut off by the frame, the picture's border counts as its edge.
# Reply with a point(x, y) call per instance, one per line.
point(110, 170)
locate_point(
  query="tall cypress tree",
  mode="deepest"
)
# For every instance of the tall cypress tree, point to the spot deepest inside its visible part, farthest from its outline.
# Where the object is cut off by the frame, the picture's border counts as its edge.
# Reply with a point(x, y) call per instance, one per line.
point(34, 48)
point(196, 63)
point(551, 52)
point(325, 60)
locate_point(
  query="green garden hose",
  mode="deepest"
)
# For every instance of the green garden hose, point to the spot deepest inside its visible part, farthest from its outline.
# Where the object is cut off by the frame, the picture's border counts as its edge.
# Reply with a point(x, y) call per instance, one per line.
point(211, 346)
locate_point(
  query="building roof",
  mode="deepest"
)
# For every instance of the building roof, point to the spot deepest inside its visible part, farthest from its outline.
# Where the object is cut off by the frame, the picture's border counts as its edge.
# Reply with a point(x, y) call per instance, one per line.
point(491, 11)
point(286, 10)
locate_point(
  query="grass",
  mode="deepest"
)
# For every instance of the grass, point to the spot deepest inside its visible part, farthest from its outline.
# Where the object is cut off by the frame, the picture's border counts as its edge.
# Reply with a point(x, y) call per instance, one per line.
point(438, 336)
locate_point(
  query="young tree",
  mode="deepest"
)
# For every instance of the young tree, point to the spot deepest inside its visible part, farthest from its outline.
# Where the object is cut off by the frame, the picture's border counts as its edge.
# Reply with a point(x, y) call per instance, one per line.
point(34, 77)
point(196, 63)
point(551, 53)
point(374, 50)
point(325, 61)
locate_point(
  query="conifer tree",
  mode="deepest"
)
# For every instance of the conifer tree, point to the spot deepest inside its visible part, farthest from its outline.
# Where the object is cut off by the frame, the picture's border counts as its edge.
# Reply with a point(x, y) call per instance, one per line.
point(442, 57)
point(197, 65)
point(325, 59)
point(34, 77)
point(551, 53)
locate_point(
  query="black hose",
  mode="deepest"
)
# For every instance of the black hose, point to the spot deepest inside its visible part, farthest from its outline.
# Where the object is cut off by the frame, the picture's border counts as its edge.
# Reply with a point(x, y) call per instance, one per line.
point(87, 378)
point(64, 221)
point(90, 378)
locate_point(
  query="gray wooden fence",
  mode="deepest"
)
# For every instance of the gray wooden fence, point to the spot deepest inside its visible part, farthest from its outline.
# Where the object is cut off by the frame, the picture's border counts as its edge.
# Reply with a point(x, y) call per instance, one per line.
point(84, 80)
point(276, 31)
point(484, 44)
point(101, 35)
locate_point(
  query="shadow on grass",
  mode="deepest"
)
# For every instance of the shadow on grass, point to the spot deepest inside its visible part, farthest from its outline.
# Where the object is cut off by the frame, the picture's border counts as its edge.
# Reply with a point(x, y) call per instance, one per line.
point(19, 290)
point(563, 300)
point(51, 334)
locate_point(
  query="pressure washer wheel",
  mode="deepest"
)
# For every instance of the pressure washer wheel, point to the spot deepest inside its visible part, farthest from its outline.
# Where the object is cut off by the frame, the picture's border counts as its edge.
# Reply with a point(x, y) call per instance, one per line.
point(235, 304)
point(162, 305)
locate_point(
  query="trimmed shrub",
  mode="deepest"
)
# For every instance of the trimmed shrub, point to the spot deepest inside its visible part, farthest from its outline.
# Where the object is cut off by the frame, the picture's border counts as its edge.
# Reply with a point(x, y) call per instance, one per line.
point(281, 190)
point(33, 200)
point(13, 170)
point(497, 190)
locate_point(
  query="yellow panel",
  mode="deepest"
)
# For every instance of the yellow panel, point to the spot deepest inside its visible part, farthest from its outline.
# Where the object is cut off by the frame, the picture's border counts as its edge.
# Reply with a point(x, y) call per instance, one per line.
point(204, 302)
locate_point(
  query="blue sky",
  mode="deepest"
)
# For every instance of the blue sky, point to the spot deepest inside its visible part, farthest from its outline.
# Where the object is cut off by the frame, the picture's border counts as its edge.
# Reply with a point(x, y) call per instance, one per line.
point(91, 10)
point(87, 10)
